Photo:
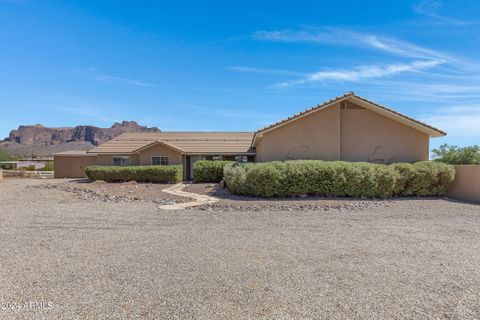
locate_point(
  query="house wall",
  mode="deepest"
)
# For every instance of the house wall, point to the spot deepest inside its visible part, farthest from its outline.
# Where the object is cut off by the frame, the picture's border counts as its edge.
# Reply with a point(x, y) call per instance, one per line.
point(107, 159)
point(145, 157)
point(316, 136)
point(369, 136)
point(351, 134)
point(72, 166)
point(466, 185)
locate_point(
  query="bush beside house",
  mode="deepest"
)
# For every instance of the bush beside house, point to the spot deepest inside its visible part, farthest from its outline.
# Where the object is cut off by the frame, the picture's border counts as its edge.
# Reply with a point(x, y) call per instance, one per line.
point(159, 174)
point(209, 170)
point(337, 178)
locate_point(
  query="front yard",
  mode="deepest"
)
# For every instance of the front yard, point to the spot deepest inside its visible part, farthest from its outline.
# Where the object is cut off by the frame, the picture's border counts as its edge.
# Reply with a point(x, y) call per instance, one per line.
point(87, 258)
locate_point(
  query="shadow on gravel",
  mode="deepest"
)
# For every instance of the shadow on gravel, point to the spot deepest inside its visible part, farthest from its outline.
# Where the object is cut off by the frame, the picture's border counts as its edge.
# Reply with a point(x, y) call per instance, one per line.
point(216, 190)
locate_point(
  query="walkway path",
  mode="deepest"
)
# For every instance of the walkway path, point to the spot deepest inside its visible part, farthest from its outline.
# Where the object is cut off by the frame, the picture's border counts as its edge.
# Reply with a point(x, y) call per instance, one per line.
point(177, 189)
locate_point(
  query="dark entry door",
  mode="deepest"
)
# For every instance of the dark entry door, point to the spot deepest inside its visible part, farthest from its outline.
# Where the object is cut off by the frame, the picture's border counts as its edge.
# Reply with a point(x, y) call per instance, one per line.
point(189, 168)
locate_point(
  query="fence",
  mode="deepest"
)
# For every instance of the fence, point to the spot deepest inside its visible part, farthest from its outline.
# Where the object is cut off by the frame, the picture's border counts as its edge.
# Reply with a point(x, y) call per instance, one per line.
point(28, 174)
point(466, 185)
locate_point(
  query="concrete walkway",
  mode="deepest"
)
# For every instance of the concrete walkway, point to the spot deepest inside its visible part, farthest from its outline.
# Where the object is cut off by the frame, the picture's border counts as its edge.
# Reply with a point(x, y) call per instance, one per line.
point(177, 190)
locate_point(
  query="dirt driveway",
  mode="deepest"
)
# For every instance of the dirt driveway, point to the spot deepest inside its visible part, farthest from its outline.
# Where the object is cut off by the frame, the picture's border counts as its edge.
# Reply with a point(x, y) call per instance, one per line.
point(68, 258)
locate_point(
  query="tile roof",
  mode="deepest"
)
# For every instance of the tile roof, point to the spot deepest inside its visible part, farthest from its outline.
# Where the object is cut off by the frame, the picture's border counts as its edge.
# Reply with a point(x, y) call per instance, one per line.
point(74, 153)
point(119, 146)
point(186, 142)
point(186, 135)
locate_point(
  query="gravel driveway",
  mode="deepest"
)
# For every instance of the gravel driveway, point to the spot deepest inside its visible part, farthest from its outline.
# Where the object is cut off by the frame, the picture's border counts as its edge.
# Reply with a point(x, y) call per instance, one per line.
point(70, 258)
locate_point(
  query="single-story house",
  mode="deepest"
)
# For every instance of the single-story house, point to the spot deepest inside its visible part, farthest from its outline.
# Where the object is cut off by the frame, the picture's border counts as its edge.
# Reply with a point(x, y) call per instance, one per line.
point(349, 128)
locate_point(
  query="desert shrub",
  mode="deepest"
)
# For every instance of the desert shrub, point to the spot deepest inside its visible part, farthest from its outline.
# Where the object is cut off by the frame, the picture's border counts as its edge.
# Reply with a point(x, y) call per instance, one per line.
point(428, 178)
point(406, 174)
point(235, 177)
point(159, 174)
point(209, 170)
point(48, 166)
point(338, 178)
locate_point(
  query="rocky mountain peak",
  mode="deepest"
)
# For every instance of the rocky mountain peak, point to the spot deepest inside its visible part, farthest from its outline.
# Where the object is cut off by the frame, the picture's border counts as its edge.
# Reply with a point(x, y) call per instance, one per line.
point(43, 140)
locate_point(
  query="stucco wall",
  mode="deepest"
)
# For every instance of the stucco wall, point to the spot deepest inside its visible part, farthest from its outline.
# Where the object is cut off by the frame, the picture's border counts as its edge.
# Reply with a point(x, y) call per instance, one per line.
point(316, 136)
point(368, 136)
point(466, 185)
point(145, 157)
point(107, 159)
point(352, 134)
point(72, 166)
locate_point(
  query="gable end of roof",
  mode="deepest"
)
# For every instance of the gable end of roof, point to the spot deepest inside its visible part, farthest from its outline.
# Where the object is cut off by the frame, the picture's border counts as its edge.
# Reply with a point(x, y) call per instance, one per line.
point(430, 130)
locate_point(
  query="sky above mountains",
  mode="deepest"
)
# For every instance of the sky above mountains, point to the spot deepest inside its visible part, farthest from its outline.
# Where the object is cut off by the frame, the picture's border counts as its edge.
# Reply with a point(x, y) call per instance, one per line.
point(237, 65)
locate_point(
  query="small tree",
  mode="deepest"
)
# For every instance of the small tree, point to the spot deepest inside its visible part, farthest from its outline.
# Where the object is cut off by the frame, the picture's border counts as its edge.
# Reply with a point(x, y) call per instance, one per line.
point(457, 155)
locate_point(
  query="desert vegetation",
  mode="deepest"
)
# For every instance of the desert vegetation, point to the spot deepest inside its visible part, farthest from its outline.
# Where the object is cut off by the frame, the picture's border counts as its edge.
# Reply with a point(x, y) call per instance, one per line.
point(209, 171)
point(338, 178)
point(457, 155)
point(159, 174)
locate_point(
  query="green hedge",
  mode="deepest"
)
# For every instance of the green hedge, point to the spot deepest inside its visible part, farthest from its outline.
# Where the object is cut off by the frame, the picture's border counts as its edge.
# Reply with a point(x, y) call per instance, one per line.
point(209, 170)
point(161, 174)
point(338, 178)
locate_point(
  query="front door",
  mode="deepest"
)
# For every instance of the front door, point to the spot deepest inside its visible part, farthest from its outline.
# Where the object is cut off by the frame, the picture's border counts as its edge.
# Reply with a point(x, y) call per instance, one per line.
point(187, 168)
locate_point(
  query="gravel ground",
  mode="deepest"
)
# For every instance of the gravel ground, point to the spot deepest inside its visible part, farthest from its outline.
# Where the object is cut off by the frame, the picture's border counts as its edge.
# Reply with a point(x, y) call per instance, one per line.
point(83, 259)
point(232, 202)
point(115, 192)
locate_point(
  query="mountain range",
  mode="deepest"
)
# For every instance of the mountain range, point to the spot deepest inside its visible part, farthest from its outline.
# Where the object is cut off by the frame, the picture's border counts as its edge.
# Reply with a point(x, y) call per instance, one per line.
point(44, 141)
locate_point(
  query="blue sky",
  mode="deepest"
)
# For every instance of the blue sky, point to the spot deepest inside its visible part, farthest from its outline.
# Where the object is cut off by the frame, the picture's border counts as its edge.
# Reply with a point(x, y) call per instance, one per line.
point(236, 65)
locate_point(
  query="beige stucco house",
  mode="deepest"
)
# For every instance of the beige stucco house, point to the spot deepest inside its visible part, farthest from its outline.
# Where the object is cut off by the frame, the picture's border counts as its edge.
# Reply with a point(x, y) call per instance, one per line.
point(349, 128)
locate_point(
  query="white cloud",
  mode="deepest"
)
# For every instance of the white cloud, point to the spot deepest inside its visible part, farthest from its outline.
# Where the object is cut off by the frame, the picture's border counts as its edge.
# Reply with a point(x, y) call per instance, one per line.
point(430, 8)
point(440, 93)
point(458, 121)
point(266, 71)
point(363, 72)
point(94, 73)
point(351, 38)
point(443, 68)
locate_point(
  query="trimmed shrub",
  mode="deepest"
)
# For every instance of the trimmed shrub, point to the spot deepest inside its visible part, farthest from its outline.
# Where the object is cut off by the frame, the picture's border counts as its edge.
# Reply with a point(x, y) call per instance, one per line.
point(159, 174)
point(209, 170)
point(338, 178)
point(235, 177)
point(426, 178)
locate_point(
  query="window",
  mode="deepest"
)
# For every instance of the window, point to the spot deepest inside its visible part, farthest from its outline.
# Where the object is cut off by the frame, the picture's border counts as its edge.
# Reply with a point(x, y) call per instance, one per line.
point(241, 159)
point(217, 158)
point(160, 161)
point(121, 161)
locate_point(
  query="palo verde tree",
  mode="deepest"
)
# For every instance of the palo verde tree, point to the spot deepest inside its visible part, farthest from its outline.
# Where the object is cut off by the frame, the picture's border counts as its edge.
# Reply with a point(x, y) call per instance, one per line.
point(457, 155)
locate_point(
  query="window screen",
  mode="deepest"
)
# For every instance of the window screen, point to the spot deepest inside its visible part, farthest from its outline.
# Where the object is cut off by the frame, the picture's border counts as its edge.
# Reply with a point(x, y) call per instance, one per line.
point(121, 161)
point(160, 161)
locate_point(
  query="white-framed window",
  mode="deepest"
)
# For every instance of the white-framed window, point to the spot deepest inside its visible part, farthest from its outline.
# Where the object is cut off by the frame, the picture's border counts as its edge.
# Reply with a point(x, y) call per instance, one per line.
point(160, 161)
point(217, 158)
point(121, 160)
